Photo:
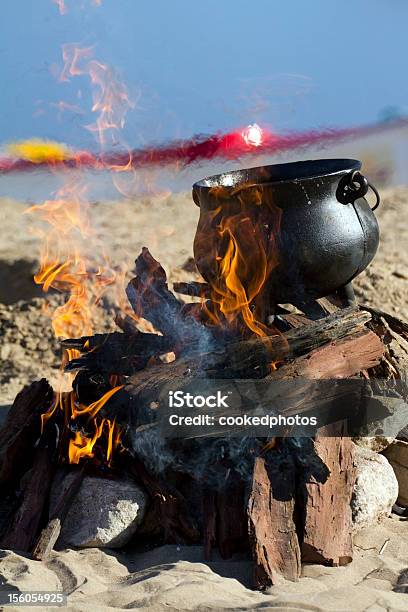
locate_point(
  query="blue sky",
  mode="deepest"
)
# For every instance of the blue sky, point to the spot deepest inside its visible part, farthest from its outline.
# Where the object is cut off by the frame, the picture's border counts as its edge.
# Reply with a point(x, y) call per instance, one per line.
point(205, 65)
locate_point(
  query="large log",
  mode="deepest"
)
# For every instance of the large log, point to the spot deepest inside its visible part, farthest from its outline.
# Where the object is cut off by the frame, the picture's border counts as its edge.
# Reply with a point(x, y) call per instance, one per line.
point(37, 482)
point(252, 358)
point(334, 360)
point(21, 429)
point(326, 513)
point(272, 531)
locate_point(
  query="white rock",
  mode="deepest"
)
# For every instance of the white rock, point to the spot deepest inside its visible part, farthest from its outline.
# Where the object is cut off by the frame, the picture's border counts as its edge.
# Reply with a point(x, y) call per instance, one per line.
point(375, 490)
point(374, 443)
point(105, 513)
point(397, 455)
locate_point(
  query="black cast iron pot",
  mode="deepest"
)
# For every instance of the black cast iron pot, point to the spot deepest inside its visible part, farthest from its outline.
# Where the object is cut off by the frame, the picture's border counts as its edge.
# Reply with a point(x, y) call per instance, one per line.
point(309, 220)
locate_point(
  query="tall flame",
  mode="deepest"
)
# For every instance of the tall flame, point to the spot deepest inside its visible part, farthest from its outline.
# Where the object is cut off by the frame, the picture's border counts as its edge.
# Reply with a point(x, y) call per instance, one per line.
point(237, 297)
point(72, 260)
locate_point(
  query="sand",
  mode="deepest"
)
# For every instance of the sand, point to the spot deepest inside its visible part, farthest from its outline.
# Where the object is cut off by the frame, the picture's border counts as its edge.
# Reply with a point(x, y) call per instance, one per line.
point(176, 578)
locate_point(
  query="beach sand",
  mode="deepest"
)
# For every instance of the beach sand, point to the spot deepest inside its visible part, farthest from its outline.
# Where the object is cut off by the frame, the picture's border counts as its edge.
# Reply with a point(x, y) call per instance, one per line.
point(175, 578)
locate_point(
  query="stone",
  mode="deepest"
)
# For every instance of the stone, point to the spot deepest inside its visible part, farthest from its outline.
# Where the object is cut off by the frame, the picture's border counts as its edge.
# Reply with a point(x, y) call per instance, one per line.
point(377, 435)
point(397, 455)
point(105, 513)
point(375, 489)
point(374, 443)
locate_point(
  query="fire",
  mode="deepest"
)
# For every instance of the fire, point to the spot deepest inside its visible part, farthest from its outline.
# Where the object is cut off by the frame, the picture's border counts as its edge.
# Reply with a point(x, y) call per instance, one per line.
point(66, 266)
point(231, 294)
point(82, 446)
point(93, 409)
point(240, 257)
point(111, 101)
point(72, 259)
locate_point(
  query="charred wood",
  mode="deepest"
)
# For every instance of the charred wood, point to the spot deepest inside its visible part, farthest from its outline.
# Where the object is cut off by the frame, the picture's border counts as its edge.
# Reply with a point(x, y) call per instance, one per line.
point(35, 491)
point(116, 353)
point(21, 430)
point(193, 289)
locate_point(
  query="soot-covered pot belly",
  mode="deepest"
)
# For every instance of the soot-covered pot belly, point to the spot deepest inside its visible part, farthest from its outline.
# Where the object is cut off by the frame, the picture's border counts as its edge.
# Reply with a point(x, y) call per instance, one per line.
point(304, 227)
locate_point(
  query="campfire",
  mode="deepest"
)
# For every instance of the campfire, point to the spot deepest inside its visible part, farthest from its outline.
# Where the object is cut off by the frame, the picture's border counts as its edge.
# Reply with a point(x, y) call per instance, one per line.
point(277, 248)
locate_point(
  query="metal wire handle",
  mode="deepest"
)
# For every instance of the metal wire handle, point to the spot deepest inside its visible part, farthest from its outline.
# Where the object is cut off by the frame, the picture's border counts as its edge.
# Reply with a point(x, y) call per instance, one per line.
point(359, 185)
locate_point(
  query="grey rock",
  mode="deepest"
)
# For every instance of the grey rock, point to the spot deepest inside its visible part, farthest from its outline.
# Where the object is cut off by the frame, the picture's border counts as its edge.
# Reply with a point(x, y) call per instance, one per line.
point(375, 490)
point(105, 513)
point(397, 455)
point(378, 434)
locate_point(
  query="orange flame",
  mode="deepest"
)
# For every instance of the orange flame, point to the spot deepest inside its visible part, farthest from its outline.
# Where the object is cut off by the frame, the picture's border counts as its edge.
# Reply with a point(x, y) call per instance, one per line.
point(93, 409)
point(235, 244)
point(111, 101)
point(82, 446)
point(72, 260)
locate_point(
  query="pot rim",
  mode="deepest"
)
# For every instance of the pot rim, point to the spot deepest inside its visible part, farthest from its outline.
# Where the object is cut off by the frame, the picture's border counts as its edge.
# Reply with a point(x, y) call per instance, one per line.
point(284, 173)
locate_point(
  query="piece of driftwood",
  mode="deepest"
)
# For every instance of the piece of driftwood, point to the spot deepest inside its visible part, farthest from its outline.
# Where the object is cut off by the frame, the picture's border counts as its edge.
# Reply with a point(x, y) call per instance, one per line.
point(394, 333)
point(326, 515)
point(50, 534)
point(273, 538)
point(35, 490)
point(150, 298)
point(339, 359)
point(224, 517)
point(21, 429)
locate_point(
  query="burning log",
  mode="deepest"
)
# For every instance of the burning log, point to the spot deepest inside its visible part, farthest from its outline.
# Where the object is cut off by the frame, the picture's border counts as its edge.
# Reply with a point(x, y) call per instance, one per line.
point(151, 298)
point(116, 353)
point(193, 289)
point(354, 350)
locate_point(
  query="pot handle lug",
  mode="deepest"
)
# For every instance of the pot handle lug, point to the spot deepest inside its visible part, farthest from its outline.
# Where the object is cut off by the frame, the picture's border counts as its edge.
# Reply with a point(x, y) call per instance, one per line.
point(354, 186)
